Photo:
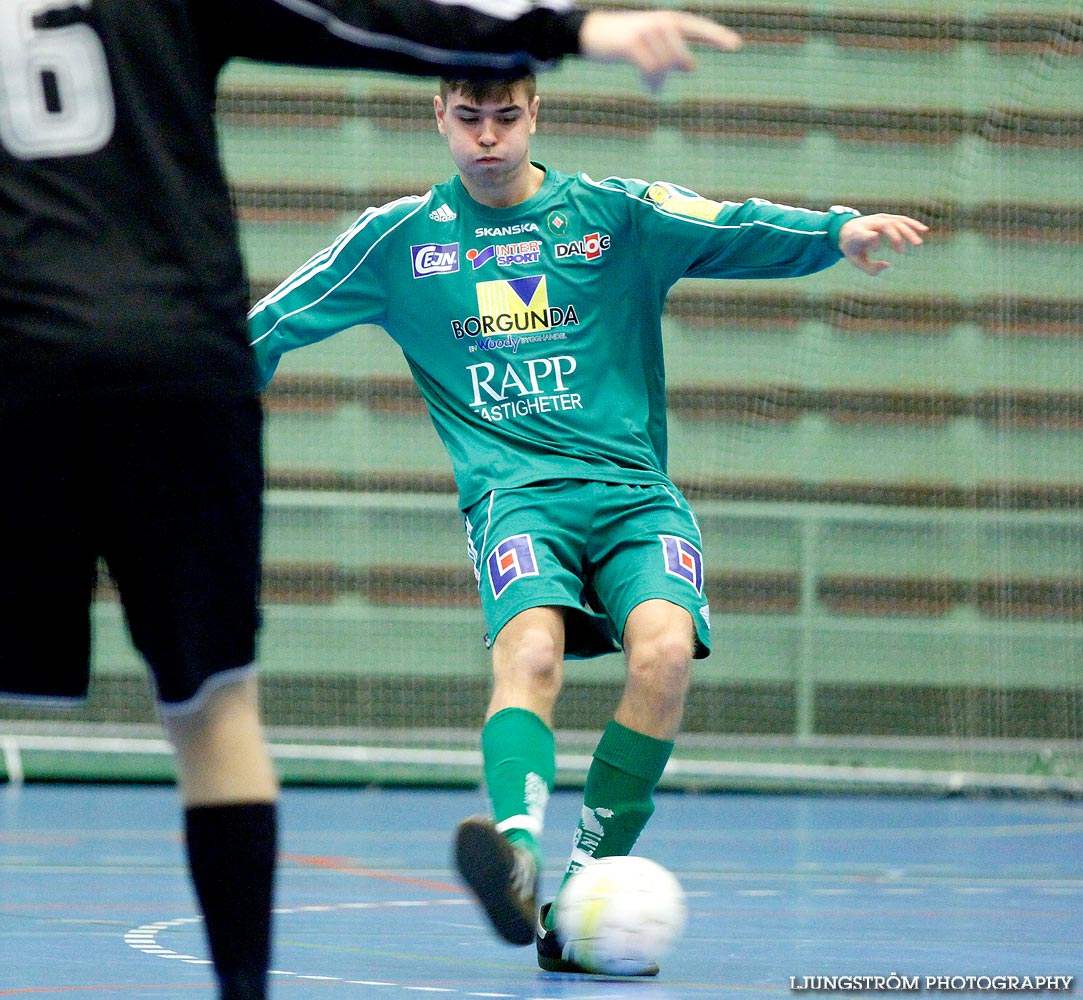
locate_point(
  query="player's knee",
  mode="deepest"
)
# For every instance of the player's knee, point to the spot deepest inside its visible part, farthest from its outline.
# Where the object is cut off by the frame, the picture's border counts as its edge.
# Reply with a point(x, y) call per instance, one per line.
point(535, 658)
point(226, 702)
point(663, 664)
point(221, 753)
point(540, 663)
point(668, 650)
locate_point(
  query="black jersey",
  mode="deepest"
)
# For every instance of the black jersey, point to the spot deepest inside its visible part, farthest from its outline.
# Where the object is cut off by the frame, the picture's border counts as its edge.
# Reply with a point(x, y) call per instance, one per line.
point(120, 271)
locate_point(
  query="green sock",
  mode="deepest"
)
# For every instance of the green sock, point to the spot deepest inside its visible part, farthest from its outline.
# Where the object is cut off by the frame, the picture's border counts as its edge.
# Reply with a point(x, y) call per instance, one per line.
point(519, 756)
point(618, 796)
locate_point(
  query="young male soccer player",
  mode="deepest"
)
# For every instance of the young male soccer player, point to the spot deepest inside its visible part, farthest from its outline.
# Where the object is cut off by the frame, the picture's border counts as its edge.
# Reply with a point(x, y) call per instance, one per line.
point(528, 303)
point(129, 408)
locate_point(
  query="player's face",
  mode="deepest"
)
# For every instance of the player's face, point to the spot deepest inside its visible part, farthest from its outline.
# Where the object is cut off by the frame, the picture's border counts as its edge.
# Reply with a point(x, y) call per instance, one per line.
point(489, 141)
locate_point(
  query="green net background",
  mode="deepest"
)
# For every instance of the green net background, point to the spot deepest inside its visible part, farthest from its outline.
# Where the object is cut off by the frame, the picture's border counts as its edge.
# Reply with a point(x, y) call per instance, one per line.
point(888, 472)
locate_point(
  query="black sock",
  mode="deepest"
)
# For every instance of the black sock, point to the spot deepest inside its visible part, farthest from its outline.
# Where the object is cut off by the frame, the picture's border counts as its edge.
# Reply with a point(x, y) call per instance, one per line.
point(231, 854)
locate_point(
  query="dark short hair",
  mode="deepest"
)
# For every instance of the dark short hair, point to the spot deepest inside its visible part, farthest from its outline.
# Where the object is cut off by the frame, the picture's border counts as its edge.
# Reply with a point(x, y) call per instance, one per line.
point(479, 90)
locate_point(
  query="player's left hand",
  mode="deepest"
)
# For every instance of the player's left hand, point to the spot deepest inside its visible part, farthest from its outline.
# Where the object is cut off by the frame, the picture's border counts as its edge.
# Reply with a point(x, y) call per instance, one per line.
point(861, 236)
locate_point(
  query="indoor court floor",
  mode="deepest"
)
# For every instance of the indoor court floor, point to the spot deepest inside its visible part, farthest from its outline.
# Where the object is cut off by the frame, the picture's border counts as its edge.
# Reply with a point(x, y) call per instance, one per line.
point(94, 898)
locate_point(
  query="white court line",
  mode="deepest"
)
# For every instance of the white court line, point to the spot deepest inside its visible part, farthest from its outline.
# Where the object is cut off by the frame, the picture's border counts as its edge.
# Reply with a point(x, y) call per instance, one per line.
point(144, 938)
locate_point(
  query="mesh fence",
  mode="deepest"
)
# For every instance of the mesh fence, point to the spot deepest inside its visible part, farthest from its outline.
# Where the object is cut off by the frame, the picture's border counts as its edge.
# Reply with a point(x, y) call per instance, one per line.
point(888, 473)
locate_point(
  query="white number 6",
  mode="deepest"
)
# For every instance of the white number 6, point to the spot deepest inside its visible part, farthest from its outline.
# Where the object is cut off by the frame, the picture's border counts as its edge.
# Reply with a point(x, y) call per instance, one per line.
point(55, 94)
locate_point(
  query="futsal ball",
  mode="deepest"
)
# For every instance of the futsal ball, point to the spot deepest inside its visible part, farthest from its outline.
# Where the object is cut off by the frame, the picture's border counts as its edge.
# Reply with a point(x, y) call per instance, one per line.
point(619, 916)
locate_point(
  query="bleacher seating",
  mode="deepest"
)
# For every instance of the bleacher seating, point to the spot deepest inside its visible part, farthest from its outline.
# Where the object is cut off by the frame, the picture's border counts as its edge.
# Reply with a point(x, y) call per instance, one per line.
point(889, 473)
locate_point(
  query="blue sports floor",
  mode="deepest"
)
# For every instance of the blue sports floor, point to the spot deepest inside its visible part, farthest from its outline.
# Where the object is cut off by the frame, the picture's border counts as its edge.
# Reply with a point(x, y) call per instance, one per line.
point(94, 899)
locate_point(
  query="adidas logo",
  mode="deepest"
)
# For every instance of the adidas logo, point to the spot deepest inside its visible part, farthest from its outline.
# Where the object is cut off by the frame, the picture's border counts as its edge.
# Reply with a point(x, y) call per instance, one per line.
point(442, 214)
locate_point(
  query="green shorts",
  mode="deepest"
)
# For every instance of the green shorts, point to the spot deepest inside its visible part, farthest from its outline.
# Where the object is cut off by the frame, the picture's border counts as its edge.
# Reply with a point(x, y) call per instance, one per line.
point(597, 549)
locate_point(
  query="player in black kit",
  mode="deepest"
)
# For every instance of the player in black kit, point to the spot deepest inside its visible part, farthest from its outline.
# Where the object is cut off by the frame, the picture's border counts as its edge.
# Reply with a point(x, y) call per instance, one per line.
point(129, 412)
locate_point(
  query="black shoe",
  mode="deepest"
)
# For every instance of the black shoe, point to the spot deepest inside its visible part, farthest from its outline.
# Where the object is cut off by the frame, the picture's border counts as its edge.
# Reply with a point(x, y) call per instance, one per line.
point(551, 952)
point(503, 877)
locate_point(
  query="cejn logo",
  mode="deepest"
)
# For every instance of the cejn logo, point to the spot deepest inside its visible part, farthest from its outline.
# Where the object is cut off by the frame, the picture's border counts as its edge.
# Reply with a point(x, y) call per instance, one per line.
point(434, 258)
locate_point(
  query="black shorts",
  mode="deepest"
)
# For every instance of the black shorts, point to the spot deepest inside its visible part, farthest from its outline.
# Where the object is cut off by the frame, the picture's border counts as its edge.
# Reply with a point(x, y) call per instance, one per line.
point(167, 493)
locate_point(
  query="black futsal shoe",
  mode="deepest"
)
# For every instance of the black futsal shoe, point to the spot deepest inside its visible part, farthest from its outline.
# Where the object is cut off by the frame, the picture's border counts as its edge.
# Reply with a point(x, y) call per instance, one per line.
point(551, 952)
point(503, 877)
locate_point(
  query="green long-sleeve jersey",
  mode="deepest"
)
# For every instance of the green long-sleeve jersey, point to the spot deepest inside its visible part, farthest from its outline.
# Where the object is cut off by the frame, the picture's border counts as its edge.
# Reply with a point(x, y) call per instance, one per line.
point(534, 332)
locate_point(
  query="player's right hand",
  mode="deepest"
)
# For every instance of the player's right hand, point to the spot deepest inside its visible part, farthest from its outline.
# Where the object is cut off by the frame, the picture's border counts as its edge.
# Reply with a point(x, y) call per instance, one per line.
point(860, 237)
point(656, 42)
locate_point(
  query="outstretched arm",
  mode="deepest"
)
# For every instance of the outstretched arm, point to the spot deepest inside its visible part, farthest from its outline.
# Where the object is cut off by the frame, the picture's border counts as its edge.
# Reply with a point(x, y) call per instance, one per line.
point(656, 42)
point(861, 236)
point(464, 37)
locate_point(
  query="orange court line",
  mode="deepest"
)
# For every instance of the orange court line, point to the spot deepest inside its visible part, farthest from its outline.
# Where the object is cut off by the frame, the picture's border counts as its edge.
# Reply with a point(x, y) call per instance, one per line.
point(345, 866)
point(30, 990)
point(39, 990)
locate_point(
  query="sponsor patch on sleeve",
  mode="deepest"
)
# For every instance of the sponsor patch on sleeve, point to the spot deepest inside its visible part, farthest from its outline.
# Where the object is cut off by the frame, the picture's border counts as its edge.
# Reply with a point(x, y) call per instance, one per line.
point(679, 202)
